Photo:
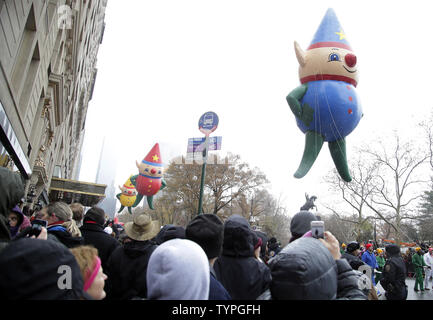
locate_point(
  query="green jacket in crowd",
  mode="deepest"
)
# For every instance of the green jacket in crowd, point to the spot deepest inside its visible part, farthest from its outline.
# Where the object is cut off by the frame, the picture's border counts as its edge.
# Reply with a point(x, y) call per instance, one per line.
point(380, 262)
point(418, 261)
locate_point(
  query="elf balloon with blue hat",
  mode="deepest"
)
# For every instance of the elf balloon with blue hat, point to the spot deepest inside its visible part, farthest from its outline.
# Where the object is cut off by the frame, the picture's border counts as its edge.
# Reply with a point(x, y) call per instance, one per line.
point(325, 105)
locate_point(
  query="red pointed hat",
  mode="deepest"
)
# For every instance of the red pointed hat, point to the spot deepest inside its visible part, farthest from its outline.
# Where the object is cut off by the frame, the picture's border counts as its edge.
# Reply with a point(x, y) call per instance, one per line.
point(153, 158)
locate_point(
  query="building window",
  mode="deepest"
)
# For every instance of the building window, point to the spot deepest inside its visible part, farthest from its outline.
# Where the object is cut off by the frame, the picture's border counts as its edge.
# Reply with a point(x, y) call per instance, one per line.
point(25, 53)
point(57, 171)
point(31, 74)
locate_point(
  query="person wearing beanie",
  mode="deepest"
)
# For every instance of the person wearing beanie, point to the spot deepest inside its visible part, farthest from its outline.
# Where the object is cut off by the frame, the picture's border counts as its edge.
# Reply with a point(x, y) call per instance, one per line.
point(178, 270)
point(91, 271)
point(369, 258)
point(244, 277)
point(301, 224)
point(418, 262)
point(168, 232)
point(11, 192)
point(207, 230)
point(34, 269)
point(352, 255)
point(127, 265)
point(394, 274)
point(312, 269)
point(61, 226)
point(94, 234)
point(428, 259)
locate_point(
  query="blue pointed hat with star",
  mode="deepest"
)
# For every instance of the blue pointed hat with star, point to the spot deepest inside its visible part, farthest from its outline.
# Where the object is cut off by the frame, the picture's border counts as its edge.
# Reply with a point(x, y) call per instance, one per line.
point(330, 33)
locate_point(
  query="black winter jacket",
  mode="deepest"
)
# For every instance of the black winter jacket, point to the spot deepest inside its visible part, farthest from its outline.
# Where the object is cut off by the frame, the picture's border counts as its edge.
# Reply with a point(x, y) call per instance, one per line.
point(127, 269)
point(393, 277)
point(60, 234)
point(306, 270)
point(95, 235)
point(243, 276)
point(354, 261)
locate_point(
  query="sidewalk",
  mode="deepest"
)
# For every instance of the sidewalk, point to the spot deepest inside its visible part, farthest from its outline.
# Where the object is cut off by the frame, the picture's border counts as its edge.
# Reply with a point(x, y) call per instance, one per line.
point(411, 294)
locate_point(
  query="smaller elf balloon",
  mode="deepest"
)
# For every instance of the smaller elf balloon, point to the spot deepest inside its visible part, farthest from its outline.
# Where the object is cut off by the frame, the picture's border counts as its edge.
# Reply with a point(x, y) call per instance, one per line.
point(128, 196)
point(149, 180)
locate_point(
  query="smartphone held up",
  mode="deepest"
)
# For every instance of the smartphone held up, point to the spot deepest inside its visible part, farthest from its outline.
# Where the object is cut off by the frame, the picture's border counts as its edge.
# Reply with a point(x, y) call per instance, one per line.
point(317, 229)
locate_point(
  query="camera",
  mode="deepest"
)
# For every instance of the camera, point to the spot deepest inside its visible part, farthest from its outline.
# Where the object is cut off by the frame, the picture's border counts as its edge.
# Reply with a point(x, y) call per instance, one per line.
point(317, 229)
point(34, 230)
point(40, 222)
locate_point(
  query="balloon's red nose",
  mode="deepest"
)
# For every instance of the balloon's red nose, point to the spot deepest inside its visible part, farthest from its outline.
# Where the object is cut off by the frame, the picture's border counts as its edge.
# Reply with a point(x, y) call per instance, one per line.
point(350, 60)
point(152, 171)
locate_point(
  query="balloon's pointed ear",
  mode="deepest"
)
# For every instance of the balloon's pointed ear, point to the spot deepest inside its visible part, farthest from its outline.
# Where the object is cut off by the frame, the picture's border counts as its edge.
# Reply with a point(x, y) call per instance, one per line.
point(136, 163)
point(300, 54)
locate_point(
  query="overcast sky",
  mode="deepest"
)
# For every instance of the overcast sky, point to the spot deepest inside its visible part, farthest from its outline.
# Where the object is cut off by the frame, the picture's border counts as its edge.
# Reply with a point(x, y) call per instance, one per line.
point(162, 64)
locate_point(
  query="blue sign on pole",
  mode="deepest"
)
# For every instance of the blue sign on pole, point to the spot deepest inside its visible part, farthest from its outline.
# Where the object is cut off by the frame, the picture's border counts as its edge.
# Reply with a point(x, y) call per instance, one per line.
point(208, 123)
point(198, 144)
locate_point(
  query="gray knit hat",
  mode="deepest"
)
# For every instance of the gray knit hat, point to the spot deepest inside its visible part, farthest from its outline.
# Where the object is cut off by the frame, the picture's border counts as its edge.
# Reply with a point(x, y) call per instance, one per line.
point(301, 223)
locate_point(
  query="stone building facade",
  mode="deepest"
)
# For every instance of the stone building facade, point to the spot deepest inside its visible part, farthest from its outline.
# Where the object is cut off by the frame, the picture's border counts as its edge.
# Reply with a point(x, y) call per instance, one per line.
point(48, 54)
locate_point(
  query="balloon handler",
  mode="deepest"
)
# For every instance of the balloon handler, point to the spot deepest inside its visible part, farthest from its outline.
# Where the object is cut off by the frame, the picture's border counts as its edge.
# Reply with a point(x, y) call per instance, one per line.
point(418, 262)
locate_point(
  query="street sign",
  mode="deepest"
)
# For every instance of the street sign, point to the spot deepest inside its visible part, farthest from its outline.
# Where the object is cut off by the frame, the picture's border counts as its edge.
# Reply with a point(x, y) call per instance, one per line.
point(198, 144)
point(208, 123)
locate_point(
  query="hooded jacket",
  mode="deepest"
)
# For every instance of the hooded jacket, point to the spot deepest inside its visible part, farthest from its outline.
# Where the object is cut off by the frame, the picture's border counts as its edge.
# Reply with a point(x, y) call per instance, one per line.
point(178, 270)
point(11, 192)
point(15, 230)
point(306, 270)
point(243, 276)
point(126, 270)
point(216, 289)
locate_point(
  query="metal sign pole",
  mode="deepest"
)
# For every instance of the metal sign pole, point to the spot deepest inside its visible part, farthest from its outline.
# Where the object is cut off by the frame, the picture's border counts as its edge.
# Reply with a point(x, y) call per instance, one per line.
point(207, 124)
point(203, 174)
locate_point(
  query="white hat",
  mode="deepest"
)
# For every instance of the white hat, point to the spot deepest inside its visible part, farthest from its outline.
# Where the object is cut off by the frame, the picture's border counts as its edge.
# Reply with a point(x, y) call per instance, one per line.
point(108, 230)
